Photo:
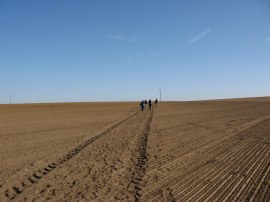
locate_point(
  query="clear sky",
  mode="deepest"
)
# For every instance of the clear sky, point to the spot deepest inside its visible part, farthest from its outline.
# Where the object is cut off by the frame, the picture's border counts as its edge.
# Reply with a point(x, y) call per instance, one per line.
point(123, 50)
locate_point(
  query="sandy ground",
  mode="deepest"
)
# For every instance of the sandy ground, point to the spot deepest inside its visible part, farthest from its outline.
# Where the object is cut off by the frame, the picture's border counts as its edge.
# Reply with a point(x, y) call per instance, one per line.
point(181, 151)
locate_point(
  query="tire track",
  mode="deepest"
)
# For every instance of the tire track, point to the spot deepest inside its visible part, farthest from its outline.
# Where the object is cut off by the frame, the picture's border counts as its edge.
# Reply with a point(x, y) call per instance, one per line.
point(140, 166)
point(10, 191)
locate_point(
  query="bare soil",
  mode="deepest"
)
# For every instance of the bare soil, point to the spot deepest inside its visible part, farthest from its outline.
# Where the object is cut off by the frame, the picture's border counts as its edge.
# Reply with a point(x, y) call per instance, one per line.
point(180, 151)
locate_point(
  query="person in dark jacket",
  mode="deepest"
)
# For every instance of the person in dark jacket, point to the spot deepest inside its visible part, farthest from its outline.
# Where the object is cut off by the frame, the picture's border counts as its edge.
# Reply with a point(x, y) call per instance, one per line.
point(156, 102)
point(150, 104)
point(142, 105)
point(145, 103)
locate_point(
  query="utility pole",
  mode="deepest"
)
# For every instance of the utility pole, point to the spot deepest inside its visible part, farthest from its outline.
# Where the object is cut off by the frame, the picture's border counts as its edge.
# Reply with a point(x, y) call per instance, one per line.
point(159, 94)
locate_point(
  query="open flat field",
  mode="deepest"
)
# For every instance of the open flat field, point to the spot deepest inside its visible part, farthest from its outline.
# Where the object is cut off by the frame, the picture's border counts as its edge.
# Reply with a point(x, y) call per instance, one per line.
point(181, 151)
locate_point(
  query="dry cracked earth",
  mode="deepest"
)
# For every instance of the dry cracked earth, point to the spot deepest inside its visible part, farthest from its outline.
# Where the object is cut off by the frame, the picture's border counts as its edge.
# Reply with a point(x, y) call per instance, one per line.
point(180, 151)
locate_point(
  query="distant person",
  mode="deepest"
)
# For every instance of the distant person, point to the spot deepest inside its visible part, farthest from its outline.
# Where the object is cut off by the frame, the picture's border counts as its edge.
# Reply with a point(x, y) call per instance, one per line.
point(142, 105)
point(145, 103)
point(156, 102)
point(150, 104)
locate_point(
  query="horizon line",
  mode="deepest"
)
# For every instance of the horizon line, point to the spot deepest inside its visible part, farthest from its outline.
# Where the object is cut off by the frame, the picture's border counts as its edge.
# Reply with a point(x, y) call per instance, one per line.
point(123, 101)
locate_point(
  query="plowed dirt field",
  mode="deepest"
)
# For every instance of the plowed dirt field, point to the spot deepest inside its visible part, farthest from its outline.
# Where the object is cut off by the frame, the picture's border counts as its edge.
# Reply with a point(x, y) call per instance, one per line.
point(180, 151)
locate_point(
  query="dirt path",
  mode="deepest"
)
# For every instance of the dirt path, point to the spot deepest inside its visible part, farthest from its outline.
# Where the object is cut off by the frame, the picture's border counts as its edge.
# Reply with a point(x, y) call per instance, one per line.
point(108, 166)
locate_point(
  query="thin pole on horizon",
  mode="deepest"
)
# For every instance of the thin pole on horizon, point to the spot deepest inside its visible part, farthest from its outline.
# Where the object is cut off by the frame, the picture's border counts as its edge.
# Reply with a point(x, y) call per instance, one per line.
point(159, 94)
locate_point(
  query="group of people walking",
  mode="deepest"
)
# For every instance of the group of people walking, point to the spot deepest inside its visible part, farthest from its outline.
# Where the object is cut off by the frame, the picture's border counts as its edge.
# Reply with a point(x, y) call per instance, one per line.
point(143, 104)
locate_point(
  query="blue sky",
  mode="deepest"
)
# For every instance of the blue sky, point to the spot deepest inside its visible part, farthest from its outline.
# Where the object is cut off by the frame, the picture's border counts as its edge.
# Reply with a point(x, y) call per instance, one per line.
point(123, 50)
